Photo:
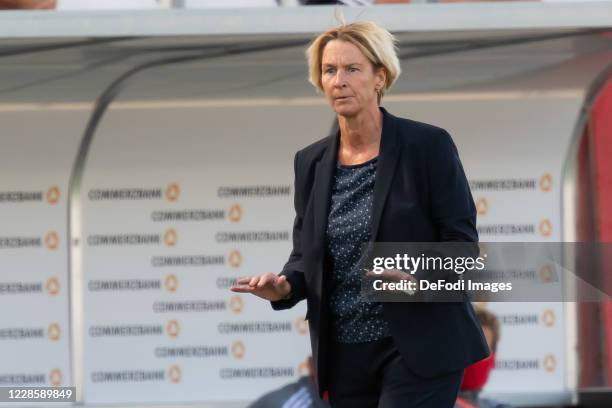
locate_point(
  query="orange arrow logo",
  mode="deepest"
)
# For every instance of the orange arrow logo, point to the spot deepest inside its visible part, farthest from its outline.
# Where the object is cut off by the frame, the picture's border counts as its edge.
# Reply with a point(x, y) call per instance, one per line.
point(546, 227)
point(171, 283)
point(170, 237)
point(301, 325)
point(55, 377)
point(548, 318)
point(482, 206)
point(52, 240)
point(236, 304)
point(546, 273)
point(235, 213)
point(303, 369)
point(235, 259)
point(52, 286)
point(174, 374)
point(238, 349)
point(53, 331)
point(172, 192)
point(550, 363)
point(53, 195)
point(546, 182)
point(173, 328)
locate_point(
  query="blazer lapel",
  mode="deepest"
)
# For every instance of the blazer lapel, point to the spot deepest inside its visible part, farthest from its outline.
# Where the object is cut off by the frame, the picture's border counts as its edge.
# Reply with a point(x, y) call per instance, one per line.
point(388, 157)
point(324, 173)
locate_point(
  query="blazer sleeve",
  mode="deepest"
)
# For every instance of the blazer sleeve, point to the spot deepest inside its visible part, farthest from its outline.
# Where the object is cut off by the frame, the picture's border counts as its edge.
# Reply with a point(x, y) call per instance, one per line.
point(452, 211)
point(452, 206)
point(294, 268)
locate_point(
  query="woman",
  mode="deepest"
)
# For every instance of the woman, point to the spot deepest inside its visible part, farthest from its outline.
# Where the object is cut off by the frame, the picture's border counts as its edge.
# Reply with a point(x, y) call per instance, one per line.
point(379, 178)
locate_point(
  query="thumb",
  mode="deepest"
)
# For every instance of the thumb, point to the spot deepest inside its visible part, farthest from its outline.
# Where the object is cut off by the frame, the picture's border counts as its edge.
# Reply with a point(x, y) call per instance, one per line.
point(282, 284)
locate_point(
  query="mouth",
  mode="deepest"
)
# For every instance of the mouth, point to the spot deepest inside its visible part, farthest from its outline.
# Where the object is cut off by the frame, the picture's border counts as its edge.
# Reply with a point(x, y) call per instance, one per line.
point(342, 98)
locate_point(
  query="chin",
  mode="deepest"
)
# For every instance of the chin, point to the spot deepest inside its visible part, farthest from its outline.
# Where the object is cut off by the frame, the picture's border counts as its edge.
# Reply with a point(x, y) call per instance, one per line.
point(347, 111)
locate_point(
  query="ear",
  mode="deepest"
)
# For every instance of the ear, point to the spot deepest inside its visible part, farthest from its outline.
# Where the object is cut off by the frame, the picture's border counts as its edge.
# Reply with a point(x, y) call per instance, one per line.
point(381, 77)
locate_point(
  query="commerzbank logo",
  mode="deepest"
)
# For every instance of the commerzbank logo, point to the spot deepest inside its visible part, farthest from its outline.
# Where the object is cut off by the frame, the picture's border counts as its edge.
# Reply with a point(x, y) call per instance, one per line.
point(238, 349)
point(549, 363)
point(235, 213)
point(303, 368)
point(53, 332)
point(546, 182)
point(546, 273)
point(172, 192)
point(171, 283)
point(174, 374)
point(170, 237)
point(482, 206)
point(545, 227)
point(55, 377)
point(236, 304)
point(51, 240)
point(52, 286)
point(548, 318)
point(235, 259)
point(301, 325)
point(173, 328)
point(53, 195)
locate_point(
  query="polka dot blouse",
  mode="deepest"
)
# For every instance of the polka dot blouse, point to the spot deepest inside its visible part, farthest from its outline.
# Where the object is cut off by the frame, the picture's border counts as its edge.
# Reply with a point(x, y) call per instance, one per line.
point(354, 318)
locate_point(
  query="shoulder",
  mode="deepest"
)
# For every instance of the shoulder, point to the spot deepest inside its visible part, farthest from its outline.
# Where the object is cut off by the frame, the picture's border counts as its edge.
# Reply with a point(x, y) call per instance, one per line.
point(306, 156)
point(428, 140)
point(316, 149)
point(419, 133)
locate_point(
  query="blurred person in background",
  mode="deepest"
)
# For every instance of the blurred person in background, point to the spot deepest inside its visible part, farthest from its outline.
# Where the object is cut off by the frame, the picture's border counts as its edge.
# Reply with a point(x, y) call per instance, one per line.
point(300, 394)
point(476, 376)
point(385, 179)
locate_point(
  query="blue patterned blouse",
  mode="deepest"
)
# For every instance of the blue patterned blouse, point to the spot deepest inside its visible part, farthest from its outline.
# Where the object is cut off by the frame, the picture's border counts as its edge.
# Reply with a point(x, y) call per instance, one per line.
point(354, 318)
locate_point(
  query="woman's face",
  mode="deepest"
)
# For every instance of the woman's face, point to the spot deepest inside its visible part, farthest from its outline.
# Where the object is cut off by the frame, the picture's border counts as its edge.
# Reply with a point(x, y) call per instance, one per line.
point(348, 79)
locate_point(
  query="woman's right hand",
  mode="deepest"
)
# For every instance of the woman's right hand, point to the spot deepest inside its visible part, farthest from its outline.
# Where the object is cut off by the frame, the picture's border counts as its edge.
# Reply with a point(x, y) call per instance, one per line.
point(267, 286)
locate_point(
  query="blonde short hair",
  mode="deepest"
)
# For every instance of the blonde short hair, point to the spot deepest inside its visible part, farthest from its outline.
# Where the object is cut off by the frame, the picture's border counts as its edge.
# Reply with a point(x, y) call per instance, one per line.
point(377, 44)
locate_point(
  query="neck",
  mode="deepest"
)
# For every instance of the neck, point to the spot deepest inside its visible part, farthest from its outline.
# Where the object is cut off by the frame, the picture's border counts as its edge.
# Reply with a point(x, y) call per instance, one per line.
point(361, 131)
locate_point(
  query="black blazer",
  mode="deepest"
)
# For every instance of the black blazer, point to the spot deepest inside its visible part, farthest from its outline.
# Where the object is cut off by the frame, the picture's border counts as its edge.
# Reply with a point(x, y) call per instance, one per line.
point(420, 195)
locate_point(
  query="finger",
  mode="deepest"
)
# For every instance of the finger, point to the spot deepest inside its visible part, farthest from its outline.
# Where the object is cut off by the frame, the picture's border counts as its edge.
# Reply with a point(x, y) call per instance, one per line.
point(244, 280)
point(253, 281)
point(282, 285)
point(263, 281)
point(242, 289)
point(397, 275)
point(400, 273)
point(370, 272)
point(279, 281)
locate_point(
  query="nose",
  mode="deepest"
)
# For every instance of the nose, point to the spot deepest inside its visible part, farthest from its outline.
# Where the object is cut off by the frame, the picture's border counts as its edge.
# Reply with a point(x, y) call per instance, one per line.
point(339, 79)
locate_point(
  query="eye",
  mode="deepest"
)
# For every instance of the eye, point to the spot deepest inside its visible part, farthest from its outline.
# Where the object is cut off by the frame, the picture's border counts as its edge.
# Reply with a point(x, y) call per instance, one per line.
point(353, 69)
point(329, 70)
